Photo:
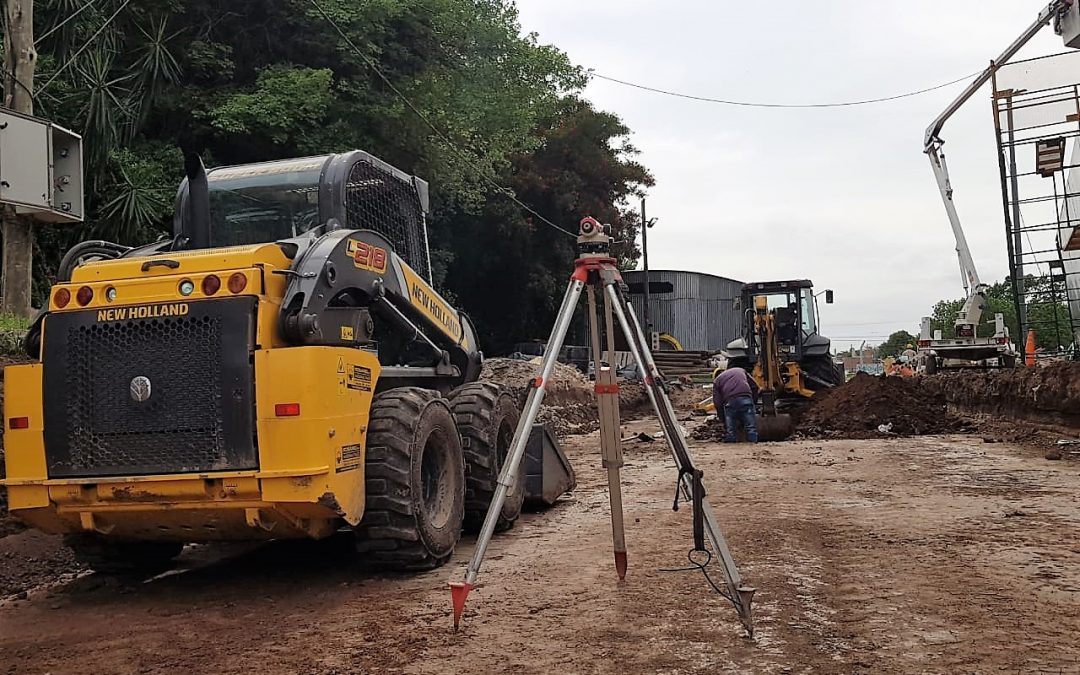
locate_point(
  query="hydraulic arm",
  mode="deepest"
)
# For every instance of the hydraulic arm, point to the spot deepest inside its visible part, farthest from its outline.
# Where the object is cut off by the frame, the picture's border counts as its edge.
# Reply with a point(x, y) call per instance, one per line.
point(970, 315)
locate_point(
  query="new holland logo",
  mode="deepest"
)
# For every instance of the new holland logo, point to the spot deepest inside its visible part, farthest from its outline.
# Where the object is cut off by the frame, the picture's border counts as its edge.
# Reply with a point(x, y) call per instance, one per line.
point(143, 312)
point(140, 389)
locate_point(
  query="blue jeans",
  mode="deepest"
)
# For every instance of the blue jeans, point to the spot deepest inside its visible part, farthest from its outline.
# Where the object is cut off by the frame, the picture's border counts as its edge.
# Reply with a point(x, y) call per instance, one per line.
point(739, 412)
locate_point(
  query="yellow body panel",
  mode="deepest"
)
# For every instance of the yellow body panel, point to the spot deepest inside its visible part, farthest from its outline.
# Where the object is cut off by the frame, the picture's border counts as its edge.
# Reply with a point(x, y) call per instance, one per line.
point(191, 262)
point(310, 479)
point(432, 305)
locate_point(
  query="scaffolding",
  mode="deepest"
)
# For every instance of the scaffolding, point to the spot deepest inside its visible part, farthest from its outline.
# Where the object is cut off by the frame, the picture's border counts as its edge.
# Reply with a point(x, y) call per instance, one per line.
point(1037, 124)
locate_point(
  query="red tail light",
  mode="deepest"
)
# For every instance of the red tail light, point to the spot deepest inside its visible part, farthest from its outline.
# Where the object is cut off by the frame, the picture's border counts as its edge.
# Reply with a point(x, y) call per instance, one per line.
point(84, 295)
point(1001, 340)
point(19, 423)
point(61, 297)
point(924, 343)
point(211, 284)
point(237, 282)
point(287, 409)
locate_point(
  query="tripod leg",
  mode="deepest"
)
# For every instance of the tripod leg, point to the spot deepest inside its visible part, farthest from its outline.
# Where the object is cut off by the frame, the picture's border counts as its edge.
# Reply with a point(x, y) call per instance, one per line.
point(607, 399)
point(740, 595)
point(460, 591)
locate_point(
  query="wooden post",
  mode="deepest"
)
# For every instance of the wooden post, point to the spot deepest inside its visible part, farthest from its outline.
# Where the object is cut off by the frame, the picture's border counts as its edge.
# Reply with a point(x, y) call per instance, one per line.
point(20, 60)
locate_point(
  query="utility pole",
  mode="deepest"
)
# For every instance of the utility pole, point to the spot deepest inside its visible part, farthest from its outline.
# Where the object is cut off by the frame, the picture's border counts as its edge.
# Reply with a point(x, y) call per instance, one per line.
point(20, 60)
point(645, 260)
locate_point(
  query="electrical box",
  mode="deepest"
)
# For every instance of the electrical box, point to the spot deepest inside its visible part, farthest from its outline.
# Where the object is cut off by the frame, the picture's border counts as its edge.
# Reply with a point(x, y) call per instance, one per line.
point(1069, 26)
point(41, 171)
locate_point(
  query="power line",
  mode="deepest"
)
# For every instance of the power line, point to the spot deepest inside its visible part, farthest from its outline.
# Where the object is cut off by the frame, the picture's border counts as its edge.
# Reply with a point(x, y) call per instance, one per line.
point(85, 46)
point(438, 132)
point(757, 104)
point(64, 22)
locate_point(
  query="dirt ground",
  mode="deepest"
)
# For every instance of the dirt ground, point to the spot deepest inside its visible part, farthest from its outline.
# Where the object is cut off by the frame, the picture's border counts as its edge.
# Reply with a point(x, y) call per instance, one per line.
point(916, 555)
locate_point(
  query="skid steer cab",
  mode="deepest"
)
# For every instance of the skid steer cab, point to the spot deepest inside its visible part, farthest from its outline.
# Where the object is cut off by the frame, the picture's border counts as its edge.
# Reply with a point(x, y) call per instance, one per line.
point(280, 367)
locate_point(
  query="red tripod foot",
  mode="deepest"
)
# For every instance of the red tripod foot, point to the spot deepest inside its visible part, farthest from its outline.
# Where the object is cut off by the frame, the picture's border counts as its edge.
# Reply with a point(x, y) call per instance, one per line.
point(459, 591)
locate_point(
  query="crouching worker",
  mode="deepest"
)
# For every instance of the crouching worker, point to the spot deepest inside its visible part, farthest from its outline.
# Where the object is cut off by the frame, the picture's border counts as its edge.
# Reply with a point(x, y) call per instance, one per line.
point(734, 391)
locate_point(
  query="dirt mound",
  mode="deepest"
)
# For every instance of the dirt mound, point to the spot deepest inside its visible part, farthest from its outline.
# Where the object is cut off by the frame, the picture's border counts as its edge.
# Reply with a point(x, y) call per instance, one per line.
point(1048, 393)
point(570, 402)
point(856, 409)
point(712, 429)
point(31, 558)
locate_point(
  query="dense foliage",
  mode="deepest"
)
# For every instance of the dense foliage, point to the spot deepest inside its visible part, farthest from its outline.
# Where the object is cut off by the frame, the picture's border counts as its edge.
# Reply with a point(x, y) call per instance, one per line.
point(896, 344)
point(251, 80)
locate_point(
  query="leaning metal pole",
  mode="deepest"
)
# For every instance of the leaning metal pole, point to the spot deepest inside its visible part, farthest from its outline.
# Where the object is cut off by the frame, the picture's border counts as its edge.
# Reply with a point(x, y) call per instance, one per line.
point(460, 590)
point(741, 596)
point(607, 401)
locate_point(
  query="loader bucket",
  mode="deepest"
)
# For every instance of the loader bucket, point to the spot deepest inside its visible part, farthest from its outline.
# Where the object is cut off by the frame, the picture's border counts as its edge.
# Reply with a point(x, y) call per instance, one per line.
point(548, 474)
point(775, 427)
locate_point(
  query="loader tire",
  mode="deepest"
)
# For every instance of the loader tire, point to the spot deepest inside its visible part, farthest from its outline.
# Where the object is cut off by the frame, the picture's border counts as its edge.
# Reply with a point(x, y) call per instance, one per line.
point(486, 418)
point(123, 557)
point(414, 482)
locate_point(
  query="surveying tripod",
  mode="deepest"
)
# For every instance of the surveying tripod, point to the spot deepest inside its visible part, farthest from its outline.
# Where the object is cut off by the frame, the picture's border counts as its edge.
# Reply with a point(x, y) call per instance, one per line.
point(595, 270)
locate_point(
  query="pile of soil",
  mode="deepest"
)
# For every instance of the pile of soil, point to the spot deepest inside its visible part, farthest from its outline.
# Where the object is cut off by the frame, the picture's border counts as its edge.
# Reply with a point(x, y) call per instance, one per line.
point(570, 403)
point(906, 406)
point(1048, 393)
point(31, 559)
point(712, 429)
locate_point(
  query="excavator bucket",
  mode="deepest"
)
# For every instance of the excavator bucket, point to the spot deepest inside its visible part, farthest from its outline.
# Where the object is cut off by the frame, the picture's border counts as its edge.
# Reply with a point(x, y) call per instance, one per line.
point(548, 474)
point(775, 427)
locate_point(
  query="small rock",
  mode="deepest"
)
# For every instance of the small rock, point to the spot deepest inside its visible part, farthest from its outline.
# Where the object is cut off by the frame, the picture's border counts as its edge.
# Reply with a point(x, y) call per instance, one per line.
point(22, 595)
point(1053, 454)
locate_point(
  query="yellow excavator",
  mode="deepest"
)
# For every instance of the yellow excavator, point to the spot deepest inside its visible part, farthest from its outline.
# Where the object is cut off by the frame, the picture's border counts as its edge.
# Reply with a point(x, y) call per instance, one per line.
point(280, 367)
point(782, 348)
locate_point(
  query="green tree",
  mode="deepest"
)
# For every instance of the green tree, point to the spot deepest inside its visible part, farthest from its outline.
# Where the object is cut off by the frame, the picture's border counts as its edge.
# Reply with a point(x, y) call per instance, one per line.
point(513, 274)
point(896, 344)
point(253, 80)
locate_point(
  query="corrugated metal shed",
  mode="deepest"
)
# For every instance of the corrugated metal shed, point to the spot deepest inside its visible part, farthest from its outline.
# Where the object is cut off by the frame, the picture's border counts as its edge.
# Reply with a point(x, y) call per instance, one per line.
point(697, 308)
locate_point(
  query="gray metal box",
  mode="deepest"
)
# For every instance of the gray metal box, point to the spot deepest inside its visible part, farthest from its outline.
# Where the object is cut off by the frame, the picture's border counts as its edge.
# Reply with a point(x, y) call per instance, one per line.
point(1070, 26)
point(40, 168)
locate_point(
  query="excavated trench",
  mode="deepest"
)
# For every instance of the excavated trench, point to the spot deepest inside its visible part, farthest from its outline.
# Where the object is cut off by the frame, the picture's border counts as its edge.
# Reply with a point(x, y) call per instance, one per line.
point(1032, 406)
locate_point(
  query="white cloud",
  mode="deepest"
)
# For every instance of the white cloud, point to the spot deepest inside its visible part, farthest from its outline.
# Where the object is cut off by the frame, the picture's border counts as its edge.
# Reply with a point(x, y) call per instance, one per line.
point(843, 196)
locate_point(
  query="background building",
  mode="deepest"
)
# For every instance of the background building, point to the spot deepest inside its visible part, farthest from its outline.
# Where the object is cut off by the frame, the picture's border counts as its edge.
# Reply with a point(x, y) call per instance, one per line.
point(697, 308)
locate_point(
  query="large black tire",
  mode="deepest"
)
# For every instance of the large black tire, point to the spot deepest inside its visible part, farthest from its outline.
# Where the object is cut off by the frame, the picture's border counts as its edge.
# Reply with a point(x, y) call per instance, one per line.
point(931, 367)
point(824, 372)
point(415, 482)
point(123, 557)
point(486, 418)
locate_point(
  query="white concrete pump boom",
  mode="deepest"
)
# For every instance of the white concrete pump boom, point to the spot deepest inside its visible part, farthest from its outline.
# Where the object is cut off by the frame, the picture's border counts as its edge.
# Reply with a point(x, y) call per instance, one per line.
point(970, 315)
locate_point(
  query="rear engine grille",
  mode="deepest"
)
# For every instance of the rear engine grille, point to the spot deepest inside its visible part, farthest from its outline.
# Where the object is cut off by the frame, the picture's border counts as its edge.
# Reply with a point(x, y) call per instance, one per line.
point(169, 393)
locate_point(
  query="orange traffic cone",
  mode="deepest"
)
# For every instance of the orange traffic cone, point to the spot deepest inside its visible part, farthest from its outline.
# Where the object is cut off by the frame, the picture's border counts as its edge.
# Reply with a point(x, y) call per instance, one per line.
point(1029, 349)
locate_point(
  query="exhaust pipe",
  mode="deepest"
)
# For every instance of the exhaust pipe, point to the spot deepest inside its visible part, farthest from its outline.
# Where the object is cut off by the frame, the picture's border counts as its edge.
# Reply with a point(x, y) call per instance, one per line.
point(198, 207)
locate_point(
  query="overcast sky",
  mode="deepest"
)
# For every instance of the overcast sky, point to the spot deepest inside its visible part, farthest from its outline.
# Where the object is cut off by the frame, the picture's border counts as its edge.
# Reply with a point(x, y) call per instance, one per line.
point(842, 196)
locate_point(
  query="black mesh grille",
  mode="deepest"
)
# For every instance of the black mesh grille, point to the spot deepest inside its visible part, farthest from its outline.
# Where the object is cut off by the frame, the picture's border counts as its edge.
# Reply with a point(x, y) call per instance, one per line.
point(196, 415)
point(377, 200)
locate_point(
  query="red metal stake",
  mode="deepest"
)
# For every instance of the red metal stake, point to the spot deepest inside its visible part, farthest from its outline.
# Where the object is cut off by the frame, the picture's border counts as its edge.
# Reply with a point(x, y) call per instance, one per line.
point(459, 591)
